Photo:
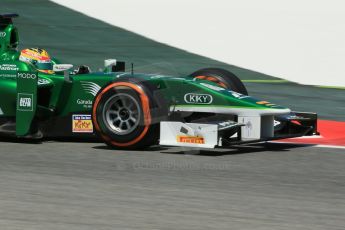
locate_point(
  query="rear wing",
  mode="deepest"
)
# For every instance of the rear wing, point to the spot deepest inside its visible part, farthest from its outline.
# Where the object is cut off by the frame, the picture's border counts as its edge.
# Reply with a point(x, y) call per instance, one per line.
point(6, 19)
point(9, 38)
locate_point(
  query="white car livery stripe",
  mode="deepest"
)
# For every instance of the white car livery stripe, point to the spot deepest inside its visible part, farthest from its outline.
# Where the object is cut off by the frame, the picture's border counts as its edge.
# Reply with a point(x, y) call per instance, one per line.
point(230, 110)
point(90, 87)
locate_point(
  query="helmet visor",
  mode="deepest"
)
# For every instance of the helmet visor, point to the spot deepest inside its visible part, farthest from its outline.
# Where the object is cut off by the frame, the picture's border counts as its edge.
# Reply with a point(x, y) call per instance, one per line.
point(44, 66)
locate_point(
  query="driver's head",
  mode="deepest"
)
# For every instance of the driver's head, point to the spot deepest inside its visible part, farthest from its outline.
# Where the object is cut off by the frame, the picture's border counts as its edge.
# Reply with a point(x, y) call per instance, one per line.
point(39, 58)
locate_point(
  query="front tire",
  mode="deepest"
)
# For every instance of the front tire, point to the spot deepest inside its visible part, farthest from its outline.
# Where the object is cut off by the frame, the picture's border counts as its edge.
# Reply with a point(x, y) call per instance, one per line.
point(124, 115)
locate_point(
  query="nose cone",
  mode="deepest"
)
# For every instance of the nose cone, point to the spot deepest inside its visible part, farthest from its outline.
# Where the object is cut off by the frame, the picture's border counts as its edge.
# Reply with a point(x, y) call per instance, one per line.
point(242, 104)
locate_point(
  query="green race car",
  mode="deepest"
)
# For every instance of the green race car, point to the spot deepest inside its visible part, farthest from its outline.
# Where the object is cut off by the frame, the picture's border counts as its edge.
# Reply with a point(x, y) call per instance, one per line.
point(208, 108)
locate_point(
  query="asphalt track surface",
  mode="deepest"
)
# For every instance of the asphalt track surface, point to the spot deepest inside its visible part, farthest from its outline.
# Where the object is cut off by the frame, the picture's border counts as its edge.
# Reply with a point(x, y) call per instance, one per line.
point(66, 185)
point(88, 186)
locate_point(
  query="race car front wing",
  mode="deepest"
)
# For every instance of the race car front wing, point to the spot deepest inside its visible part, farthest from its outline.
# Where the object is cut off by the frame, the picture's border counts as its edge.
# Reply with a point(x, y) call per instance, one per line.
point(245, 129)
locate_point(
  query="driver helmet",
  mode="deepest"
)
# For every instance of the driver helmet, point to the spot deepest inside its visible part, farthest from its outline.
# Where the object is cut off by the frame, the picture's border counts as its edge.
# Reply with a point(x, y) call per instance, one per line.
point(39, 58)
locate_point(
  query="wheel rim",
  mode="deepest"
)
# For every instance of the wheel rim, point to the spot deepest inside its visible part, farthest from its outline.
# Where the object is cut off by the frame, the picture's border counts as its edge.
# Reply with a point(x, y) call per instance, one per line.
point(121, 114)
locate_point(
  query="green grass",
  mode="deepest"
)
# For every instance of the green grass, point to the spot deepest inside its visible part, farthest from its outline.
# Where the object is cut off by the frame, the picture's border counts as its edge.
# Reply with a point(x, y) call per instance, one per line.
point(265, 81)
point(331, 87)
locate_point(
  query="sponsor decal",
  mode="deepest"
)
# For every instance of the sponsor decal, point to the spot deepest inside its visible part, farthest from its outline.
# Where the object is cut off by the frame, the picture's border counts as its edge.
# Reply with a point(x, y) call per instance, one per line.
point(62, 67)
point(25, 102)
point(194, 98)
point(9, 67)
point(42, 81)
point(90, 87)
point(2, 34)
point(27, 75)
point(24, 59)
point(216, 88)
point(190, 139)
point(238, 95)
point(249, 128)
point(82, 123)
point(276, 123)
point(8, 75)
point(87, 104)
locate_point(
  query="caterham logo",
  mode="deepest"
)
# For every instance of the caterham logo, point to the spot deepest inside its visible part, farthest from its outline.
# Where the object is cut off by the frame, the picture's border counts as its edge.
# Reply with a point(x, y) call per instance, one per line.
point(193, 98)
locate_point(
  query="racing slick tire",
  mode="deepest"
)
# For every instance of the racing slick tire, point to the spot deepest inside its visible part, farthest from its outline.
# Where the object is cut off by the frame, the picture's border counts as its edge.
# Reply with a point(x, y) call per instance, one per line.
point(126, 114)
point(221, 77)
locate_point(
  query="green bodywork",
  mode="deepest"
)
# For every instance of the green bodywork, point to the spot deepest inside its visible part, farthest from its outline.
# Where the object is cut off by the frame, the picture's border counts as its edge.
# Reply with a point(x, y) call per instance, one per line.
point(53, 96)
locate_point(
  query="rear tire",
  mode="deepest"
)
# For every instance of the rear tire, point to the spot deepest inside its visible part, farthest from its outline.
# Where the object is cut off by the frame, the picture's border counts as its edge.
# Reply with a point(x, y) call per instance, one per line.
point(126, 116)
point(221, 77)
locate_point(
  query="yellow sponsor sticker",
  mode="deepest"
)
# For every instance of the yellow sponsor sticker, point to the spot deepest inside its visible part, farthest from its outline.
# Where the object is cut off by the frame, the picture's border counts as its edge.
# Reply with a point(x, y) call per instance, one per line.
point(82, 124)
point(191, 139)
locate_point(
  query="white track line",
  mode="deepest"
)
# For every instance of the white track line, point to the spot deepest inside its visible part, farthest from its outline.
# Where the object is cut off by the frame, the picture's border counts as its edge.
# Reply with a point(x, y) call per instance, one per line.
point(308, 137)
point(330, 146)
point(310, 145)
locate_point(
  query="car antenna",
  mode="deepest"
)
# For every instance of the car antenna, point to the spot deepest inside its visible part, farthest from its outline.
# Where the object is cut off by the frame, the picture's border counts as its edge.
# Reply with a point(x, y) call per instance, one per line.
point(132, 69)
